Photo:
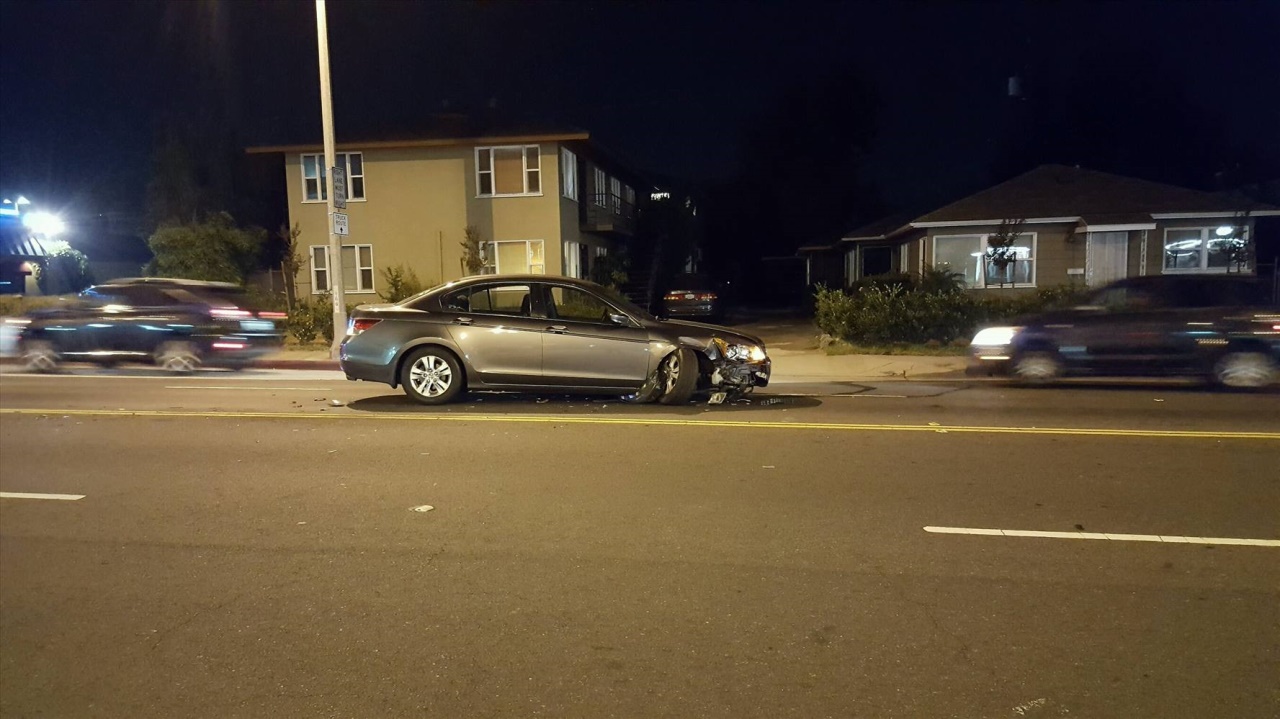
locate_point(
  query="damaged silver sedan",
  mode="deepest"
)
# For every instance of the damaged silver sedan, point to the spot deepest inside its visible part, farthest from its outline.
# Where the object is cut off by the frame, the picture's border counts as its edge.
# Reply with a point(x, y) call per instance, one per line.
point(536, 333)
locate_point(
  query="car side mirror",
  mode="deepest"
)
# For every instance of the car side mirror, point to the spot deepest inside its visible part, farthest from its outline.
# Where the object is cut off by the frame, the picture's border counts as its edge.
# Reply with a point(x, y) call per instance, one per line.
point(620, 319)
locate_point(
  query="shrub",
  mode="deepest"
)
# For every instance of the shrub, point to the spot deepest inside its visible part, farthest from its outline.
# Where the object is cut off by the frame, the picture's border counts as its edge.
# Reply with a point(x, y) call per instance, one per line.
point(211, 250)
point(401, 282)
point(64, 270)
point(18, 305)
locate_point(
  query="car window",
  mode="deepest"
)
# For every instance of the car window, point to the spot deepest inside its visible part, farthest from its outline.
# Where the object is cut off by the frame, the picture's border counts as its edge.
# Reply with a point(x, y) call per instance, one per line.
point(572, 303)
point(1126, 298)
point(142, 296)
point(511, 300)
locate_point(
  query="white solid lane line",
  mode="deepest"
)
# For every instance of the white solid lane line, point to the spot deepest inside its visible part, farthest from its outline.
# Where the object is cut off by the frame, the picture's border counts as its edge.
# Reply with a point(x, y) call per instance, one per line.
point(259, 389)
point(37, 495)
point(1165, 538)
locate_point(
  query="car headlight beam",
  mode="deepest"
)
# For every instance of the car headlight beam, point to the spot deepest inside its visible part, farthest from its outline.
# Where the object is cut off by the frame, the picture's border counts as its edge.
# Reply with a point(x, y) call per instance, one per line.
point(995, 336)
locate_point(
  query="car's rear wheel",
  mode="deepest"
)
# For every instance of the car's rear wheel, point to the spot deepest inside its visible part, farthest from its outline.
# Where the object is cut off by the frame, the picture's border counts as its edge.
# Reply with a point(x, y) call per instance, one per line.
point(432, 376)
point(1037, 367)
point(178, 357)
point(679, 376)
point(40, 356)
point(1245, 370)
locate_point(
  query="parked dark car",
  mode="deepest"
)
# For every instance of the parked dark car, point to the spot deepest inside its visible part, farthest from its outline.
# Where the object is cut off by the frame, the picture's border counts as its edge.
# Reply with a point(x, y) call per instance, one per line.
point(540, 333)
point(176, 324)
point(693, 296)
point(1222, 328)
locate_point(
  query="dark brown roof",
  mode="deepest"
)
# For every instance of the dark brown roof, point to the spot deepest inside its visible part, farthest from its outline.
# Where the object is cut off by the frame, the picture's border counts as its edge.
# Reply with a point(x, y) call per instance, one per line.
point(1061, 191)
point(17, 241)
point(439, 130)
point(881, 229)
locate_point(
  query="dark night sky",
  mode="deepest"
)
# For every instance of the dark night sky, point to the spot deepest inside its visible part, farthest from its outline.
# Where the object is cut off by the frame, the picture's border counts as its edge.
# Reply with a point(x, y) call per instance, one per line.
point(668, 85)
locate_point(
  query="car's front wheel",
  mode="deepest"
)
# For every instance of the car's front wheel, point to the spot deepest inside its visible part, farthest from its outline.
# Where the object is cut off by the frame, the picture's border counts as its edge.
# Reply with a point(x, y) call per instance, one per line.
point(679, 376)
point(40, 356)
point(178, 357)
point(432, 375)
point(1245, 370)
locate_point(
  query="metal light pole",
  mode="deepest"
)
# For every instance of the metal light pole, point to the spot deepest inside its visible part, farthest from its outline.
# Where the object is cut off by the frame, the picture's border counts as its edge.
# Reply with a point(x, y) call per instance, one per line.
point(330, 160)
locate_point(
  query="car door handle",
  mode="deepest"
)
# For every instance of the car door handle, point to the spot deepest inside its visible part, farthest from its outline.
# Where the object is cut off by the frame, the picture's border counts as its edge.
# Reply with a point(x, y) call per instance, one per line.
point(462, 320)
point(557, 329)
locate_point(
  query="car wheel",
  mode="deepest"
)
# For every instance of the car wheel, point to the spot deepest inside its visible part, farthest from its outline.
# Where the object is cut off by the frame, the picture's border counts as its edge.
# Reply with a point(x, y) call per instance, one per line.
point(1037, 367)
point(432, 376)
point(40, 356)
point(1245, 370)
point(178, 357)
point(679, 375)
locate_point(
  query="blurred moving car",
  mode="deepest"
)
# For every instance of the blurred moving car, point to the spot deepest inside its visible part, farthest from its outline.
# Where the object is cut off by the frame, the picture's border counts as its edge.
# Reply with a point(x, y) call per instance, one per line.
point(541, 333)
point(1223, 328)
point(176, 324)
point(693, 296)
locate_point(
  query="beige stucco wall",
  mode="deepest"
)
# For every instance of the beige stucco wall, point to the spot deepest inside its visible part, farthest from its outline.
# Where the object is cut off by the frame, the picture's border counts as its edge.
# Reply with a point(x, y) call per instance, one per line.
point(419, 202)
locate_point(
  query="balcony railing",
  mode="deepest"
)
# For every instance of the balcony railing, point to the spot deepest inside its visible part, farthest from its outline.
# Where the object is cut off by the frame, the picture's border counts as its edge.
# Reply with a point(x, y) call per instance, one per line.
point(607, 212)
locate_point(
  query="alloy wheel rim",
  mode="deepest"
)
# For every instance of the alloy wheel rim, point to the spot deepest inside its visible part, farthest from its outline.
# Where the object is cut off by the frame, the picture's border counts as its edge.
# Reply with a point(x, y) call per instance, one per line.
point(41, 361)
point(1037, 368)
point(1246, 370)
point(673, 371)
point(431, 376)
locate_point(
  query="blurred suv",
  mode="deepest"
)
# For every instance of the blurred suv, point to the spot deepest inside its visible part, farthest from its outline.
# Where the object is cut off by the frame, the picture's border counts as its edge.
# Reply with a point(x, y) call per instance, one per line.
point(1222, 328)
point(179, 325)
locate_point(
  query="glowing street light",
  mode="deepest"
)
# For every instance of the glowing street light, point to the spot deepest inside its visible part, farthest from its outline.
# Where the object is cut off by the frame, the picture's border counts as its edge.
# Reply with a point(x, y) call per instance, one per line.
point(44, 223)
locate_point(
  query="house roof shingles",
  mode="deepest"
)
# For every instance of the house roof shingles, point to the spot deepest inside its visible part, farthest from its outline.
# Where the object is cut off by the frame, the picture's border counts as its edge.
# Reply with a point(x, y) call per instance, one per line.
point(1062, 191)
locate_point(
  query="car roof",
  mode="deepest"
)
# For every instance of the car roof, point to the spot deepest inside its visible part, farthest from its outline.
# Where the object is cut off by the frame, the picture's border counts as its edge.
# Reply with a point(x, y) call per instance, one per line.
point(173, 282)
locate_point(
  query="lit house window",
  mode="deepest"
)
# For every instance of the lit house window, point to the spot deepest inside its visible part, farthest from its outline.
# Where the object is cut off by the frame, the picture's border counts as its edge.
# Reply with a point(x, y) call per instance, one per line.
point(601, 194)
point(1205, 249)
point(569, 174)
point(314, 187)
point(969, 256)
point(357, 268)
point(514, 257)
point(508, 171)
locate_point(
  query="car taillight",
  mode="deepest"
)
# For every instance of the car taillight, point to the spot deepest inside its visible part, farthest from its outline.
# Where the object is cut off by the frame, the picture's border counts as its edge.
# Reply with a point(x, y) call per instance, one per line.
point(230, 313)
point(359, 324)
point(706, 296)
point(274, 315)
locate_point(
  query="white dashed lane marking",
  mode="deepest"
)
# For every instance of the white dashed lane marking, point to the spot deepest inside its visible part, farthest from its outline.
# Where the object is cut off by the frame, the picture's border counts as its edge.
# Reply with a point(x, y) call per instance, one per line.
point(1164, 538)
point(37, 495)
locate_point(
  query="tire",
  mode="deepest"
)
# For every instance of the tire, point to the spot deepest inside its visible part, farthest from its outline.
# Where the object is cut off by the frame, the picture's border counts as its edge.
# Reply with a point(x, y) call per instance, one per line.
point(1037, 367)
point(431, 375)
point(679, 376)
point(178, 357)
point(1245, 370)
point(40, 356)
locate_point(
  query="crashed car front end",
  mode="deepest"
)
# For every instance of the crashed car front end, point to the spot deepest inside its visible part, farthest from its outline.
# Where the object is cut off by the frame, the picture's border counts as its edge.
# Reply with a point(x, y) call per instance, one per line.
point(736, 367)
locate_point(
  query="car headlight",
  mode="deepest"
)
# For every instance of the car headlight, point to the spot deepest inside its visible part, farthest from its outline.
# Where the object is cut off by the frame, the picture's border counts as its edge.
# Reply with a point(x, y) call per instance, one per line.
point(744, 353)
point(995, 336)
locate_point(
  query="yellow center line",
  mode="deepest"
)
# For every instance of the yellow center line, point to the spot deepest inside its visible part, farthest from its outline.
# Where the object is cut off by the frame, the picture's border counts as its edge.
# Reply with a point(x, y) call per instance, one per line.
point(661, 422)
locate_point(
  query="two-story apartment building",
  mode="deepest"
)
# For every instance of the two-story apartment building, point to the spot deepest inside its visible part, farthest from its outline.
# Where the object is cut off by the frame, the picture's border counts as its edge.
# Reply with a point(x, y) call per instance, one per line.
point(542, 202)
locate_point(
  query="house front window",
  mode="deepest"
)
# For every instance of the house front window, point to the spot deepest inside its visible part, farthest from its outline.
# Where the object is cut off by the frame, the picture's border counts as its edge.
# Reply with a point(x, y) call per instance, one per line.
point(508, 171)
point(357, 268)
point(615, 195)
point(314, 186)
point(569, 174)
point(576, 259)
point(514, 257)
point(1205, 249)
point(970, 257)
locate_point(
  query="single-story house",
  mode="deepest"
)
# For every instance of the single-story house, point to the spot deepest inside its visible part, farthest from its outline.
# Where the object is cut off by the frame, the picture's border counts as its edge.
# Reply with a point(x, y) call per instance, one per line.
point(1074, 226)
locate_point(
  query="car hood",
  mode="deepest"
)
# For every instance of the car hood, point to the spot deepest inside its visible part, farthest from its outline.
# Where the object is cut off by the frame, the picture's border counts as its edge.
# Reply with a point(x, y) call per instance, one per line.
point(701, 332)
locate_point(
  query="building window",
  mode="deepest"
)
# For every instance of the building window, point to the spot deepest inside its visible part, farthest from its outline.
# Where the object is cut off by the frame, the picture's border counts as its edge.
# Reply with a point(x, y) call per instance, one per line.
point(615, 195)
point(357, 268)
point(569, 174)
point(629, 196)
point(508, 171)
point(576, 259)
point(969, 256)
point(1206, 249)
point(314, 186)
point(514, 257)
point(599, 190)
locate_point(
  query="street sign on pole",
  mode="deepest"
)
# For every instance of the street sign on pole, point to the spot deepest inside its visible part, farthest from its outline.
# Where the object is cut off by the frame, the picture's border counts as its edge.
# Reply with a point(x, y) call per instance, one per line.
point(340, 226)
point(339, 187)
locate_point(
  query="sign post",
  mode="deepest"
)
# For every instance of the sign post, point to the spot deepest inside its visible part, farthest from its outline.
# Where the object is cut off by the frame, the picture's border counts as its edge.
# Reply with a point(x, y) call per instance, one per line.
point(334, 264)
point(339, 175)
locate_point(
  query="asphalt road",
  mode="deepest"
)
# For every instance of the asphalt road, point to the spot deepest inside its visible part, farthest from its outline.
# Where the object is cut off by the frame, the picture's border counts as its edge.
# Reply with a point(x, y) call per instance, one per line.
point(242, 547)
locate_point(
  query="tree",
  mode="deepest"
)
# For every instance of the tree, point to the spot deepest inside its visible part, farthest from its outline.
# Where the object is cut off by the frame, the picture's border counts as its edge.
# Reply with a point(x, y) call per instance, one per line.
point(1001, 250)
point(472, 251)
point(290, 261)
point(211, 250)
point(64, 270)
